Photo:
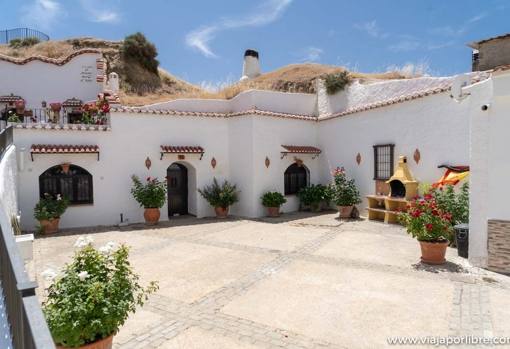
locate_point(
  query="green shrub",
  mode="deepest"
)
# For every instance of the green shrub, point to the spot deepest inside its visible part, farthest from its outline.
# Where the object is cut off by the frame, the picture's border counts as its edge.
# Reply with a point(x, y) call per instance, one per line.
point(273, 199)
point(345, 192)
point(457, 204)
point(218, 195)
point(136, 48)
point(13, 117)
point(93, 295)
point(50, 207)
point(336, 82)
point(26, 42)
point(152, 194)
point(314, 195)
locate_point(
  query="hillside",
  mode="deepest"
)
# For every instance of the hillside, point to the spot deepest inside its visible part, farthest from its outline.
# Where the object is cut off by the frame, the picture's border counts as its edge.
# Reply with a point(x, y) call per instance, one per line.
point(141, 87)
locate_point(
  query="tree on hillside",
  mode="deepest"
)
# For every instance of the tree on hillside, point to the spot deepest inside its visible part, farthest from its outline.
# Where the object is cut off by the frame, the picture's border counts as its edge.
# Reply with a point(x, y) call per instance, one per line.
point(136, 48)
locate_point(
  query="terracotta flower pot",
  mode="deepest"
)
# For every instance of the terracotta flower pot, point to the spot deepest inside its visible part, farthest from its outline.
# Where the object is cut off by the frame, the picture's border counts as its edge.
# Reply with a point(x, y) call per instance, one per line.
point(433, 252)
point(345, 211)
point(273, 211)
point(221, 212)
point(151, 216)
point(49, 226)
point(105, 343)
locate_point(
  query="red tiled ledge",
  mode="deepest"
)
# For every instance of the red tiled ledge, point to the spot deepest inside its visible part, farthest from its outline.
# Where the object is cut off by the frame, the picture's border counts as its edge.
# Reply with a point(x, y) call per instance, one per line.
point(182, 149)
point(300, 149)
point(63, 149)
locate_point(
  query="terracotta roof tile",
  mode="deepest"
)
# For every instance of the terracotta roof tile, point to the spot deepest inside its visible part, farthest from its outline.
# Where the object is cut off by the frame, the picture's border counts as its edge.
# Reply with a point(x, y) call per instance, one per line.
point(300, 149)
point(63, 149)
point(170, 112)
point(186, 149)
point(9, 98)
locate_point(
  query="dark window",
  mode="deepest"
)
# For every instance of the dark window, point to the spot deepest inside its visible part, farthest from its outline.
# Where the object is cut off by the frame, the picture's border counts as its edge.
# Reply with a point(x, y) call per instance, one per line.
point(295, 178)
point(383, 161)
point(75, 185)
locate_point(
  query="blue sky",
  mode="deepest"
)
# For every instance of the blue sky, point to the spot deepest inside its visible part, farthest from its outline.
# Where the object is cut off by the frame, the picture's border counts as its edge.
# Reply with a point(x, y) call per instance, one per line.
point(203, 41)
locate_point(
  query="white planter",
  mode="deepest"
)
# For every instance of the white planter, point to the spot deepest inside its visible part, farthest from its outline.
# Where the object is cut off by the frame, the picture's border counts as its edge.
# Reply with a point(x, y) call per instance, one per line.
point(25, 244)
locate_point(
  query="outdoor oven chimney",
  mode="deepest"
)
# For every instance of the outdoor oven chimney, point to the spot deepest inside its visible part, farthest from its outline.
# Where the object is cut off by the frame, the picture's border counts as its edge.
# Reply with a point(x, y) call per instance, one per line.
point(402, 183)
point(251, 66)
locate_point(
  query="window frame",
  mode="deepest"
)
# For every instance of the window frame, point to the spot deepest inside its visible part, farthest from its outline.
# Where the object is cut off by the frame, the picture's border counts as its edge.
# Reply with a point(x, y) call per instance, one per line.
point(74, 182)
point(377, 162)
point(286, 178)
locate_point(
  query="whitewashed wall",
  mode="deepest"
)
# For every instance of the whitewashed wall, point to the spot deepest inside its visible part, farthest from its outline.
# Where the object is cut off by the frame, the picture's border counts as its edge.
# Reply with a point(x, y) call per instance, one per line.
point(436, 125)
point(8, 187)
point(38, 81)
point(269, 134)
point(133, 138)
point(490, 160)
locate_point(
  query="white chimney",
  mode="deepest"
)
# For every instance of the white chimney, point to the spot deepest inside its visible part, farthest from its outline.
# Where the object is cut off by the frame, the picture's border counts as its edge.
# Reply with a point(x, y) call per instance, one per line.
point(251, 66)
point(113, 82)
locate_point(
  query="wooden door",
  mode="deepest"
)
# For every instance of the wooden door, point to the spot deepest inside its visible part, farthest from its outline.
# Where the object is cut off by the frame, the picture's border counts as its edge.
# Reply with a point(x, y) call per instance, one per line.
point(177, 186)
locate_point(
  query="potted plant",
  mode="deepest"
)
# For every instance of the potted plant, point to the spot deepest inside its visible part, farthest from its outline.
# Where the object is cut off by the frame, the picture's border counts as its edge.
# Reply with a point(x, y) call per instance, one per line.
point(345, 193)
point(431, 226)
point(272, 201)
point(314, 196)
point(151, 195)
point(92, 296)
point(48, 211)
point(221, 197)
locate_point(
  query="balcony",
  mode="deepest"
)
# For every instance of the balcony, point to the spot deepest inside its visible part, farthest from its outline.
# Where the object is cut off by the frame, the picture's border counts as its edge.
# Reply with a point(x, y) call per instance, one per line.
point(48, 119)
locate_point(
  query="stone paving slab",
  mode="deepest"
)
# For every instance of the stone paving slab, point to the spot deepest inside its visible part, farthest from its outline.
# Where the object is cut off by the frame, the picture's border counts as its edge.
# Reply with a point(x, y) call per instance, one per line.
point(342, 305)
point(301, 281)
point(270, 236)
point(187, 271)
point(500, 310)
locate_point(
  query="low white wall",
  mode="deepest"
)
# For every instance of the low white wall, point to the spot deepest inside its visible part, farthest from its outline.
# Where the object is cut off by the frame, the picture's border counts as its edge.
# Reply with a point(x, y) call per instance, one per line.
point(8, 187)
point(292, 103)
point(38, 81)
point(436, 125)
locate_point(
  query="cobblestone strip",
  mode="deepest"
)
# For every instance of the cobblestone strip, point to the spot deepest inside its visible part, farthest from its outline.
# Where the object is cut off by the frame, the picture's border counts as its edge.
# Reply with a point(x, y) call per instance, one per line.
point(204, 313)
point(232, 246)
point(471, 311)
point(220, 297)
point(179, 316)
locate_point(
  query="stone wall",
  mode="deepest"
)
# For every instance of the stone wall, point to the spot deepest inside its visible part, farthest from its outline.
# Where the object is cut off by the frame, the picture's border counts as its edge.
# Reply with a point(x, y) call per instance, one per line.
point(494, 53)
point(499, 245)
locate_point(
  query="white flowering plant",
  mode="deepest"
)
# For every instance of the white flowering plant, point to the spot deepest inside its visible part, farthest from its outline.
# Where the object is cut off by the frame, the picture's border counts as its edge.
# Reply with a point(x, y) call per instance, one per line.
point(91, 298)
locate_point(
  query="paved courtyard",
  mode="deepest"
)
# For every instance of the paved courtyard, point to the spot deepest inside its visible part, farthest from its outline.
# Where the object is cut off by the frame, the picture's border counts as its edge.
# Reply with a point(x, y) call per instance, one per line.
point(300, 281)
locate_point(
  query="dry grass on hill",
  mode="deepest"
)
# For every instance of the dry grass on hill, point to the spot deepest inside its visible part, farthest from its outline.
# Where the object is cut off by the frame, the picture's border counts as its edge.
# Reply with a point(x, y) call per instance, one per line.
point(291, 78)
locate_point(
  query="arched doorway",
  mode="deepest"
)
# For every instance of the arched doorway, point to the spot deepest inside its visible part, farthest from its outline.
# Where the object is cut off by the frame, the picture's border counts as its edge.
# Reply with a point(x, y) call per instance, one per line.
point(177, 187)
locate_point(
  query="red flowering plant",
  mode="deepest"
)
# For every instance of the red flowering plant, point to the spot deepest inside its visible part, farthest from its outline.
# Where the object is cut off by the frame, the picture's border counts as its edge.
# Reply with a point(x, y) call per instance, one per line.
point(151, 194)
point(425, 221)
point(96, 112)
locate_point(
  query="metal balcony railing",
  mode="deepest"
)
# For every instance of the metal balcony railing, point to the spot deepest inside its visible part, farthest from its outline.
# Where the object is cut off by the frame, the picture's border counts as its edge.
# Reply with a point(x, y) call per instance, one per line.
point(21, 33)
point(46, 116)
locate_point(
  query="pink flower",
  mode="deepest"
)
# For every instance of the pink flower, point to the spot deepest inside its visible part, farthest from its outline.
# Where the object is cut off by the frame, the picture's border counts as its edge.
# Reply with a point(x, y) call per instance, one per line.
point(429, 226)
